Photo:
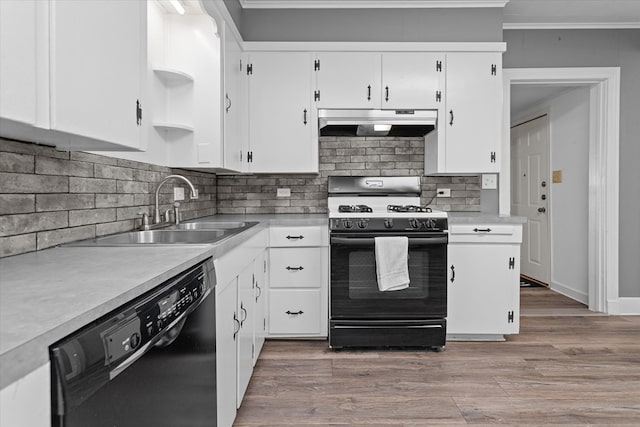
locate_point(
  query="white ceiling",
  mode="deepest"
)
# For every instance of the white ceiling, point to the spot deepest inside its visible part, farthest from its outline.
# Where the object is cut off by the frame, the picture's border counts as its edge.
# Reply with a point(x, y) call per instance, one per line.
point(517, 13)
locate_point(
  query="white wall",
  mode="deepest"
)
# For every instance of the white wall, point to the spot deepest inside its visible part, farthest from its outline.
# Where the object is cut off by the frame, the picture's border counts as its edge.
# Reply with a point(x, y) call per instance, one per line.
point(568, 209)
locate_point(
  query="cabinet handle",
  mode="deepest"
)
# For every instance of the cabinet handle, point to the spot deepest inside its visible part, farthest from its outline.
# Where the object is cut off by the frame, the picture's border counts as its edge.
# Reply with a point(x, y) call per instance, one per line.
point(295, 268)
point(305, 117)
point(386, 93)
point(295, 237)
point(453, 273)
point(138, 113)
point(451, 118)
point(245, 314)
point(259, 291)
point(482, 230)
point(237, 323)
point(228, 107)
point(369, 93)
point(296, 313)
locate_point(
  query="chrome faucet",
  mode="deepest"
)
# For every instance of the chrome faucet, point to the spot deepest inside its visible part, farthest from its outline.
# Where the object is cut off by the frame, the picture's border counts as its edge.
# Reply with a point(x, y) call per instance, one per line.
point(194, 194)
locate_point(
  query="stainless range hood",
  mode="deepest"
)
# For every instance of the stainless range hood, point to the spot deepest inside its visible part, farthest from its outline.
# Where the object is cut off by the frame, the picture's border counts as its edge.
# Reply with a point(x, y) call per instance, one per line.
point(376, 122)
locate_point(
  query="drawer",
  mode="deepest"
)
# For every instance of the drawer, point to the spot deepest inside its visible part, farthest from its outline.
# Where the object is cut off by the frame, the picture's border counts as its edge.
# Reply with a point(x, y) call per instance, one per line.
point(296, 268)
point(485, 233)
point(315, 235)
point(295, 312)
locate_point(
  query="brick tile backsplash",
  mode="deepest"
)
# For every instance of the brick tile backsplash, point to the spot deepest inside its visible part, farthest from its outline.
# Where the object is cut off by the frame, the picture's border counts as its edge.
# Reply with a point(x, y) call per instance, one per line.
point(49, 197)
point(358, 156)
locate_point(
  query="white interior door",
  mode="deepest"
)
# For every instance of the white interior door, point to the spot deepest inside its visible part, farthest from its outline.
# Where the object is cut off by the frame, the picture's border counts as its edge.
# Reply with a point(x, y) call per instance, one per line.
point(530, 194)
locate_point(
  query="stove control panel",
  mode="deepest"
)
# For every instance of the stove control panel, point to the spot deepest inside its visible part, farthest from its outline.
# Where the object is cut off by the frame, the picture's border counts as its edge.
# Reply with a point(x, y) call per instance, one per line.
point(407, 224)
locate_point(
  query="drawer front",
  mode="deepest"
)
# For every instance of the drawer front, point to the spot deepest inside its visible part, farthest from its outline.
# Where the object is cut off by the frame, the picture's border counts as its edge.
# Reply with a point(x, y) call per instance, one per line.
point(294, 312)
point(295, 268)
point(298, 236)
point(485, 233)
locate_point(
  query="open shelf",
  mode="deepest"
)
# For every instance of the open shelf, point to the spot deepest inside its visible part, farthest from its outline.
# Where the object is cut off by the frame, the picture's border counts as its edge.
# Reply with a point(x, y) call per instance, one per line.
point(180, 127)
point(172, 76)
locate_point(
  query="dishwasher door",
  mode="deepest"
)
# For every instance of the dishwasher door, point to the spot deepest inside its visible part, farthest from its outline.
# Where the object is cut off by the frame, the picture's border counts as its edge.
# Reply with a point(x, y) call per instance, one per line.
point(130, 370)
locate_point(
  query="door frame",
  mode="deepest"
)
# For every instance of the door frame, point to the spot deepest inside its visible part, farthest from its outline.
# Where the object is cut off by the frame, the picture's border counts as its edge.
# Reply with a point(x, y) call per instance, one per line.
point(604, 159)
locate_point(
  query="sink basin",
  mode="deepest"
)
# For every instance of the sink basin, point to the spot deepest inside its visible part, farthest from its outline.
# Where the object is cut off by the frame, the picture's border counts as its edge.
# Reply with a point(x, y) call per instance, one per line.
point(214, 225)
point(157, 237)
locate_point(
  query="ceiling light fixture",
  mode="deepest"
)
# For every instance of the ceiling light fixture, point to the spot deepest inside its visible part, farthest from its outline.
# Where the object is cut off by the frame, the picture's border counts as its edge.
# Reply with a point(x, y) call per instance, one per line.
point(177, 5)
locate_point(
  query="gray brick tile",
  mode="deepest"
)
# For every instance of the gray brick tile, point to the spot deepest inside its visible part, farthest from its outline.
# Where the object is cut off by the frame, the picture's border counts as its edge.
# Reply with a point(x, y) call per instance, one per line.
point(134, 187)
point(50, 166)
point(91, 185)
point(114, 200)
point(113, 172)
point(16, 203)
point(16, 163)
point(47, 239)
point(115, 227)
point(30, 222)
point(93, 158)
point(91, 216)
point(14, 245)
point(65, 201)
point(28, 183)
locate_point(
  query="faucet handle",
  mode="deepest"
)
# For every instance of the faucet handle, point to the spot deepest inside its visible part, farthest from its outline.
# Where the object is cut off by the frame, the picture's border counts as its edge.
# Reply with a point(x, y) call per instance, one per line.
point(145, 220)
point(176, 212)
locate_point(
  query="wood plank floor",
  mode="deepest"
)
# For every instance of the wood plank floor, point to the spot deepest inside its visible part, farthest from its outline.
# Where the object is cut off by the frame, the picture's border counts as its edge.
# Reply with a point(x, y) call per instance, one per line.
point(570, 370)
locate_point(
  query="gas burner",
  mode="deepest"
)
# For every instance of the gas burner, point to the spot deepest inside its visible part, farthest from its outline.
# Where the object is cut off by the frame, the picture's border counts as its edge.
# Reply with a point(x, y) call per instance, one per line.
point(354, 208)
point(408, 208)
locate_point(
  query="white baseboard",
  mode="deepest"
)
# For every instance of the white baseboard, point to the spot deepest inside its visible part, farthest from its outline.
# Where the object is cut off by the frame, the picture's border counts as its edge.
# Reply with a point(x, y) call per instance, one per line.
point(625, 305)
point(567, 291)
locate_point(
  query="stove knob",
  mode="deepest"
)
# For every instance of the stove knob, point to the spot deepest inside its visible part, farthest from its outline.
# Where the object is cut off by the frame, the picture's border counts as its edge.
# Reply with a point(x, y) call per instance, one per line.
point(430, 223)
point(362, 223)
point(347, 223)
point(388, 223)
point(414, 223)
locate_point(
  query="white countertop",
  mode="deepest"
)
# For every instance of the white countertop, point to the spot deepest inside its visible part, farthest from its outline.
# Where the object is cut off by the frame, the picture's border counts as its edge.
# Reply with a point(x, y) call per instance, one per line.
point(46, 295)
point(484, 218)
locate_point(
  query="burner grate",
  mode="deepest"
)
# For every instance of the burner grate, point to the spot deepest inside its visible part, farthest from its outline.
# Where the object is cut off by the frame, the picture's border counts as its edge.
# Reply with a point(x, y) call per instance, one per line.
point(354, 208)
point(408, 208)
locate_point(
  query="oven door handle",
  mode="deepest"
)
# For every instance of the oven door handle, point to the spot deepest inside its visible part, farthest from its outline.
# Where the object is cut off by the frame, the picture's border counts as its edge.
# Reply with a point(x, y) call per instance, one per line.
point(364, 241)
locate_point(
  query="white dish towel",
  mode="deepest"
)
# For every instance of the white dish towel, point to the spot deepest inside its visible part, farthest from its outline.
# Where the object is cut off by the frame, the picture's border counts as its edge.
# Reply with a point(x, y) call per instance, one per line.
point(392, 256)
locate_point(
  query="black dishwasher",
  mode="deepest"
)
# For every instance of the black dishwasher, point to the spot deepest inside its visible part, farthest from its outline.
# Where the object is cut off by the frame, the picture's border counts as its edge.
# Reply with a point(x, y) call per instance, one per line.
point(151, 362)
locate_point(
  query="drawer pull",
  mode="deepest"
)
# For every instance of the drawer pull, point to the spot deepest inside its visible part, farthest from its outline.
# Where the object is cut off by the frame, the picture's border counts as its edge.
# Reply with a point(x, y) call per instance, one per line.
point(482, 230)
point(295, 237)
point(296, 313)
point(295, 268)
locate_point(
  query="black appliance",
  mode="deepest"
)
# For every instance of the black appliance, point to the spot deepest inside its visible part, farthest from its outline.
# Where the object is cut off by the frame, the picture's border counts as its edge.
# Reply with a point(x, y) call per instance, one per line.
point(151, 362)
point(361, 209)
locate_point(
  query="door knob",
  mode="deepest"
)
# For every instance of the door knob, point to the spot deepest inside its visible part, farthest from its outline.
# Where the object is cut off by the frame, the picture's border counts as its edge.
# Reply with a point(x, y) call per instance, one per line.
point(543, 184)
point(542, 210)
point(544, 197)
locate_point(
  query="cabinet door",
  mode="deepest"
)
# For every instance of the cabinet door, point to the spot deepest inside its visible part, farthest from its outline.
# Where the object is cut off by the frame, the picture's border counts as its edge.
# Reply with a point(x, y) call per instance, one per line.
point(227, 326)
point(348, 80)
point(411, 80)
point(98, 51)
point(246, 314)
point(483, 297)
point(282, 124)
point(473, 116)
point(235, 103)
point(260, 295)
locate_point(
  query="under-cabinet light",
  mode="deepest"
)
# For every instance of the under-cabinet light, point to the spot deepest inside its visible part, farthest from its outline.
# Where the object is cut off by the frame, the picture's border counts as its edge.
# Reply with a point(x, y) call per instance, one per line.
point(382, 128)
point(177, 5)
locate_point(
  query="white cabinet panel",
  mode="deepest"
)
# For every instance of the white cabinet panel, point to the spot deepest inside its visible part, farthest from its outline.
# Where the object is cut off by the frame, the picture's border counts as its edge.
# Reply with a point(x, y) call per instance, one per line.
point(294, 312)
point(349, 80)
point(260, 307)
point(246, 314)
point(227, 327)
point(287, 237)
point(282, 124)
point(298, 268)
point(236, 133)
point(27, 402)
point(96, 71)
point(410, 80)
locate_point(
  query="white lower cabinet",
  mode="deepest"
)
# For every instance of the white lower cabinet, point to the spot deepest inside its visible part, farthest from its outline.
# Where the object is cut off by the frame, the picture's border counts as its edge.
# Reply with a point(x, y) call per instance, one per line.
point(27, 402)
point(298, 281)
point(238, 309)
point(483, 281)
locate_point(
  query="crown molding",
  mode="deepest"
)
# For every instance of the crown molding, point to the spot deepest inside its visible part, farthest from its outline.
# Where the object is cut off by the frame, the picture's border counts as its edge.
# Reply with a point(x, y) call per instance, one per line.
point(570, 25)
point(369, 4)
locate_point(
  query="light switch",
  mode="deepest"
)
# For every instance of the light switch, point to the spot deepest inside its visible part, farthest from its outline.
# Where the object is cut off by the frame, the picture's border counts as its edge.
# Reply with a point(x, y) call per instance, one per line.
point(283, 192)
point(489, 181)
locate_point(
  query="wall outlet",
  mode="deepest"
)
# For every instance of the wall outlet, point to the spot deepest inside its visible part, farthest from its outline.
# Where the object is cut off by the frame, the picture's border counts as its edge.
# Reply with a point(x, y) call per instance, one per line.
point(178, 193)
point(489, 181)
point(283, 192)
point(443, 192)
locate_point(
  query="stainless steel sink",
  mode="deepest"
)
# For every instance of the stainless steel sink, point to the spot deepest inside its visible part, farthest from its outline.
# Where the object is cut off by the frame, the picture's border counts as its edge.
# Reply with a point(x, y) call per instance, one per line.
point(213, 225)
point(157, 237)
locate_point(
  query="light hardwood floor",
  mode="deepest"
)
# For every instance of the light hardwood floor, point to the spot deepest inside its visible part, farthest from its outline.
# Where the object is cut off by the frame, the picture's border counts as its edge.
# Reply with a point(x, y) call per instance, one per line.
point(560, 370)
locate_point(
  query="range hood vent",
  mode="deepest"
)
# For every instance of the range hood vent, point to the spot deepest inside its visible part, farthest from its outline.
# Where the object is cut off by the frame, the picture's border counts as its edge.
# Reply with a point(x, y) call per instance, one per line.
point(389, 123)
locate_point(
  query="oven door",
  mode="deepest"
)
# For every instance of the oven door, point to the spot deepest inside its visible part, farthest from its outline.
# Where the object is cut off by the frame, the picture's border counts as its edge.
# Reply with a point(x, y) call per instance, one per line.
point(354, 287)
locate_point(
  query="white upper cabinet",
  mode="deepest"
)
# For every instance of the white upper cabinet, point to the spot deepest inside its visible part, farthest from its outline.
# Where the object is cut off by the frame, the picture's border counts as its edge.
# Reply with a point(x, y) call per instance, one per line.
point(389, 80)
point(98, 59)
point(236, 138)
point(411, 80)
point(469, 130)
point(348, 79)
point(282, 125)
